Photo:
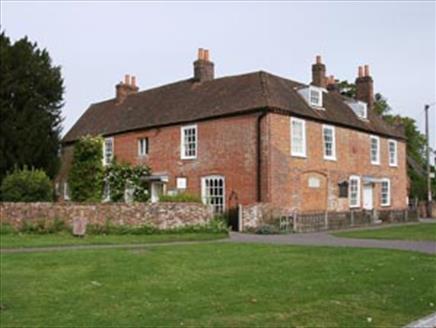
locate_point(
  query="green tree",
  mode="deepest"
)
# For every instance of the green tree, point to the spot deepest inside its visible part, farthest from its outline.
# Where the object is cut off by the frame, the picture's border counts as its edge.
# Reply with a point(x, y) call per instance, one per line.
point(31, 95)
point(23, 185)
point(86, 176)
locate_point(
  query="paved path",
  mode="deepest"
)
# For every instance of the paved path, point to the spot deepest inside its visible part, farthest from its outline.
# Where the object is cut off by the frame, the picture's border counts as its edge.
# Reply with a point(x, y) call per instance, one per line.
point(325, 239)
point(427, 322)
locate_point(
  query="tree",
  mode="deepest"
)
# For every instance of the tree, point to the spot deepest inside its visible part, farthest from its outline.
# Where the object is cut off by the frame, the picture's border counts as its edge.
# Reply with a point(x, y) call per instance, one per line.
point(31, 95)
point(87, 173)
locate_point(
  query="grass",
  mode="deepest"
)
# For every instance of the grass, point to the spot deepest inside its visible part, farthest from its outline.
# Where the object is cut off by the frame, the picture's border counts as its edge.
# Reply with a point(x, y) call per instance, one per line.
point(422, 231)
point(217, 285)
point(65, 238)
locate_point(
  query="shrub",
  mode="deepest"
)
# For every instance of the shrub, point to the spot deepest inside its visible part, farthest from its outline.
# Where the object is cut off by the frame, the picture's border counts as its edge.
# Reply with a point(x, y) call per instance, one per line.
point(180, 198)
point(7, 229)
point(120, 176)
point(86, 175)
point(43, 226)
point(267, 229)
point(27, 186)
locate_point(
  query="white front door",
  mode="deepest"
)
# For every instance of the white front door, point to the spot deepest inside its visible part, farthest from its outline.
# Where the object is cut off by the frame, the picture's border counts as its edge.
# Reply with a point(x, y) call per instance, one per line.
point(367, 197)
point(157, 189)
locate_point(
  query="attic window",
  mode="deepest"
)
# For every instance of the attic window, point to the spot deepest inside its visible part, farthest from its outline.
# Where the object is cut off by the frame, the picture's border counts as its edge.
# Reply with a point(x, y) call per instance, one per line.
point(315, 97)
point(359, 108)
point(312, 95)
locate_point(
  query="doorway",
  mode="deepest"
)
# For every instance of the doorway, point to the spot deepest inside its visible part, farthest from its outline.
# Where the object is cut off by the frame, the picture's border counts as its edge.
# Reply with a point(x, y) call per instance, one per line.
point(368, 201)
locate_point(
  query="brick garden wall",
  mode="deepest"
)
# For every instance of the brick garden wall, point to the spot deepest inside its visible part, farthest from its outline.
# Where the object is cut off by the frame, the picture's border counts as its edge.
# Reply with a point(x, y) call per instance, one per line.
point(159, 215)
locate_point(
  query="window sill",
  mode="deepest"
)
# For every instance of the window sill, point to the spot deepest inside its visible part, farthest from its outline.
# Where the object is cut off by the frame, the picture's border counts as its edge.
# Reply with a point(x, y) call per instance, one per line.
point(393, 165)
point(385, 205)
point(354, 206)
point(299, 155)
point(332, 159)
point(375, 163)
point(188, 158)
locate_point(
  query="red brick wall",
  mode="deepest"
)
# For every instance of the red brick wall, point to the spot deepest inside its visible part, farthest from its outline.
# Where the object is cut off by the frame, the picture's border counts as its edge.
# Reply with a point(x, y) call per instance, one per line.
point(287, 186)
point(225, 147)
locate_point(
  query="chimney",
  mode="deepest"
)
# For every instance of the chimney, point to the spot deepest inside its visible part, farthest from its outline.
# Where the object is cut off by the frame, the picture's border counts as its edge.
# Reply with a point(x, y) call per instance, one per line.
point(203, 67)
point(318, 73)
point(126, 88)
point(365, 86)
point(331, 84)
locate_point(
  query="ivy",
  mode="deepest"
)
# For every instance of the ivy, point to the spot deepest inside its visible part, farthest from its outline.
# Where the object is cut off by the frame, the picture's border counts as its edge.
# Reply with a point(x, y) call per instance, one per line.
point(87, 173)
point(120, 177)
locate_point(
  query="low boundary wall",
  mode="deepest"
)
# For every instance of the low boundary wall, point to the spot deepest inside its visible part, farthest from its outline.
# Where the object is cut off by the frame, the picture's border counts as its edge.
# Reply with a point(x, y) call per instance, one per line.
point(159, 215)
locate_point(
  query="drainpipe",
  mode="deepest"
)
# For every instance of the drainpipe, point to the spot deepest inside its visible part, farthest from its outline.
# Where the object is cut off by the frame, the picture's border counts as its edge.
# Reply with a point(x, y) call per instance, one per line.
point(259, 155)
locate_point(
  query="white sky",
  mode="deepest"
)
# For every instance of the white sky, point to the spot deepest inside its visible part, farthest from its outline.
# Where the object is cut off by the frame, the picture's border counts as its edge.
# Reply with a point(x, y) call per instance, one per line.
point(96, 43)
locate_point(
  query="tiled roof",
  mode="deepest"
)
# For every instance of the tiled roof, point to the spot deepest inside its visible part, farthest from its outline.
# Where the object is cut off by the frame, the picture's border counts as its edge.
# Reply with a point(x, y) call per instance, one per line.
point(189, 101)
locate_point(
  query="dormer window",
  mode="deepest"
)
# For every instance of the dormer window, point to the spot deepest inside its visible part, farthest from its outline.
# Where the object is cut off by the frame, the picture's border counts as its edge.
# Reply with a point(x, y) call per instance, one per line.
point(313, 96)
point(359, 108)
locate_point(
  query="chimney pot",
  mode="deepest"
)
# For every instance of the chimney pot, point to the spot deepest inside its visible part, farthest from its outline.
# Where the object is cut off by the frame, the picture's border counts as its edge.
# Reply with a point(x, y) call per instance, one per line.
point(366, 73)
point(360, 72)
point(200, 53)
point(127, 79)
point(318, 73)
point(318, 59)
point(133, 83)
point(206, 54)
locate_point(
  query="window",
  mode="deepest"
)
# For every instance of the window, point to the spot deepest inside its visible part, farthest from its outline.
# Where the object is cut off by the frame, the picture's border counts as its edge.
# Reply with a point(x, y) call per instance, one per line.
point(108, 151)
point(142, 146)
point(315, 97)
point(298, 137)
point(329, 142)
point(213, 192)
point(66, 191)
point(375, 150)
point(354, 191)
point(189, 142)
point(359, 108)
point(182, 183)
point(393, 160)
point(385, 193)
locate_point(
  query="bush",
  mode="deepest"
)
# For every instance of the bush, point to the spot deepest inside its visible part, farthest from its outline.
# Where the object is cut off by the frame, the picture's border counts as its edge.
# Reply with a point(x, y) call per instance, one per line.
point(213, 226)
point(180, 198)
point(27, 186)
point(267, 229)
point(7, 229)
point(43, 226)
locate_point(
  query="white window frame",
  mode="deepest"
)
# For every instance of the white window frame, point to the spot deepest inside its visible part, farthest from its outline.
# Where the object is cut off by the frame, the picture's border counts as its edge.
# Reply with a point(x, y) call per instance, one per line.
point(309, 96)
point(66, 191)
point(303, 137)
point(377, 160)
point(182, 141)
point(143, 151)
point(204, 195)
point(105, 162)
point(331, 157)
point(181, 183)
point(357, 204)
point(395, 143)
point(388, 196)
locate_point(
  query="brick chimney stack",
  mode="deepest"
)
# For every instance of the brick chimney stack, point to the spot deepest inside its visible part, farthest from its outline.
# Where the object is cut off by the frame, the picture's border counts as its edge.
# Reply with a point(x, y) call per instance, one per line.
point(203, 67)
point(332, 85)
point(365, 86)
point(126, 88)
point(318, 73)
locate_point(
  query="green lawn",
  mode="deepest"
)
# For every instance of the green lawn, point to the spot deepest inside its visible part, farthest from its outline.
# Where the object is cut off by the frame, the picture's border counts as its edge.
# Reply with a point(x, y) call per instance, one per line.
point(35, 240)
point(421, 231)
point(217, 284)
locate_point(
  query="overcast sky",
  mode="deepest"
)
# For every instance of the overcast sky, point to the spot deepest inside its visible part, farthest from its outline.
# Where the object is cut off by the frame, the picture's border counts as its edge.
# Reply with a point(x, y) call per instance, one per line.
point(96, 43)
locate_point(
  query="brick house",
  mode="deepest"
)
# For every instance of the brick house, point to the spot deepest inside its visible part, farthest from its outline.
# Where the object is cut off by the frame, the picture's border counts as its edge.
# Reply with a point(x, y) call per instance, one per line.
point(255, 137)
